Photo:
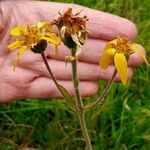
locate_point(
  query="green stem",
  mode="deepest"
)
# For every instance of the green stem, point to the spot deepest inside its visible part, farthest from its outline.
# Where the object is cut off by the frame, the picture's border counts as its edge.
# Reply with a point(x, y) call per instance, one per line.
point(51, 74)
point(103, 94)
point(79, 102)
point(62, 90)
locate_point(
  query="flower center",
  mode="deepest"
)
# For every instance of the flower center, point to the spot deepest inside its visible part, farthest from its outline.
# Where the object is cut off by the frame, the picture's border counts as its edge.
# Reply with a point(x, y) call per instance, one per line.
point(30, 36)
point(123, 46)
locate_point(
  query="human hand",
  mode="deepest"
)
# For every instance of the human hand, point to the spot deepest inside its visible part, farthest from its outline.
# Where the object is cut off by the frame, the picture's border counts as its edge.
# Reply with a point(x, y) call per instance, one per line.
point(31, 79)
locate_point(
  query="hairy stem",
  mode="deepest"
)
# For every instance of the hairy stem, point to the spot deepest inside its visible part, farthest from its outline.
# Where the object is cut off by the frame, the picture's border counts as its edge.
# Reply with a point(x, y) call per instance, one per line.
point(51, 74)
point(103, 94)
point(79, 103)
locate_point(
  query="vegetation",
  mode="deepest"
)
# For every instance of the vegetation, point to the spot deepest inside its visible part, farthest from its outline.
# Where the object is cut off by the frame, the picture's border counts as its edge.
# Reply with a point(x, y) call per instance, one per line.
point(122, 123)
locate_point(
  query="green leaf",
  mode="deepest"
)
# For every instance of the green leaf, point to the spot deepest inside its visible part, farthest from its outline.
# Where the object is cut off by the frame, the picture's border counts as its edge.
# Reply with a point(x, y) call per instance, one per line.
point(70, 99)
point(146, 137)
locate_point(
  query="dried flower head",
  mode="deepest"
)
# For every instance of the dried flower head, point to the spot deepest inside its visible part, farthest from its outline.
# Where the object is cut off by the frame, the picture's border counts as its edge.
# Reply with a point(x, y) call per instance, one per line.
point(34, 37)
point(117, 52)
point(72, 28)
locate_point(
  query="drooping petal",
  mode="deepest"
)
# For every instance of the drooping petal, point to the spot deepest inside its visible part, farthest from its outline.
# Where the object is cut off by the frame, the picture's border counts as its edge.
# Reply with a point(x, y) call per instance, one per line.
point(79, 50)
point(56, 50)
point(14, 45)
point(63, 31)
point(121, 66)
point(53, 39)
point(53, 36)
point(16, 31)
point(107, 58)
point(75, 39)
point(135, 47)
point(20, 53)
point(111, 44)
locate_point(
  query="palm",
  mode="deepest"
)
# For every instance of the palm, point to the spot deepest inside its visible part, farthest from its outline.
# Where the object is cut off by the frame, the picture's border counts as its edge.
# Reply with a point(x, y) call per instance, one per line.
point(31, 79)
point(18, 82)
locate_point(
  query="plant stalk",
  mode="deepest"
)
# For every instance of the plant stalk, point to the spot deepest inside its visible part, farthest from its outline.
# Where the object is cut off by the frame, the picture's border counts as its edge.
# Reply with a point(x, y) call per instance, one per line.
point(79, 103)
point(103, 94)
point(51, 74)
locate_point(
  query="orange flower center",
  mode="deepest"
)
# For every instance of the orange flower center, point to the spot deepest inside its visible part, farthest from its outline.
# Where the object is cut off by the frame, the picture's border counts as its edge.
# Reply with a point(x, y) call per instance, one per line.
point(123, 46)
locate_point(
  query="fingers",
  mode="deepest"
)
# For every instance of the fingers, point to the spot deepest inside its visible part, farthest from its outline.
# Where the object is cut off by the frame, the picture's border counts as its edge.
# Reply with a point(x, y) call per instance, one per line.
point(101, 25)
point(94, 48)
point(14, 83)
point(107, 26)
point(86, 71)
point(45, 88)
point(3, 19)
point(135, 59)
point(34, 86)
point(92, 51)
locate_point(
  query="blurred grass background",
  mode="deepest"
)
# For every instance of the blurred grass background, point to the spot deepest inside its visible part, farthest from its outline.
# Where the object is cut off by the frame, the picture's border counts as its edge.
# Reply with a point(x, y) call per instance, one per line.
point(122, 123)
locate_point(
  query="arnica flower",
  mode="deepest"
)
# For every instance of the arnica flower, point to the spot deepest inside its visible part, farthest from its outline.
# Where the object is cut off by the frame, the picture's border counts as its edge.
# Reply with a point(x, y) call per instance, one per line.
point(117, 52)
point(34, 37)
point(72, 28)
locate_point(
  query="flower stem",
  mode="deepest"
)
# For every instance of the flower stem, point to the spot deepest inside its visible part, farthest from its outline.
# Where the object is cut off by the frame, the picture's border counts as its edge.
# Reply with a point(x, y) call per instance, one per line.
point(103, 94)
point(51, 74)
point(79, 103)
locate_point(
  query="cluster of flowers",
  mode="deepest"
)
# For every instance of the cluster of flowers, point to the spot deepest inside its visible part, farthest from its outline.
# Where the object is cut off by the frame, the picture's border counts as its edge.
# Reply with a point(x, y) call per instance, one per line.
point(73, 33)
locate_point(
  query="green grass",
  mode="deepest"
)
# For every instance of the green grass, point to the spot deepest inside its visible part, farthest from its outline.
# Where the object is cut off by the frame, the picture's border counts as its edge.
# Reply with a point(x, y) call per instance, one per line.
point(122, 123)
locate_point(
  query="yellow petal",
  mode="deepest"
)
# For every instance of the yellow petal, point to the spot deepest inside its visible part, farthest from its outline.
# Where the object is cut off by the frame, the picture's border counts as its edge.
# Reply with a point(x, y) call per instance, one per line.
point(53, 39)
point(45, 27)
point(56, 50)
point(135, 47)
point(111, 44)
point(41, 24)
point(107, 58)
point(16, 31)
point(20, 53)
point(121, 66)
point(14, 45)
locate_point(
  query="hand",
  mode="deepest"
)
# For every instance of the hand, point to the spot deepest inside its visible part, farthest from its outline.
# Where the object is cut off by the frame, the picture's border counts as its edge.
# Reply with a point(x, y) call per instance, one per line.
point(31, 79)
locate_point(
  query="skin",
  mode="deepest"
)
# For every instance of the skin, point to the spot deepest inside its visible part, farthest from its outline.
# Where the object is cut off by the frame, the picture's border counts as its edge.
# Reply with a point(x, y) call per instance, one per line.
point(31, 79)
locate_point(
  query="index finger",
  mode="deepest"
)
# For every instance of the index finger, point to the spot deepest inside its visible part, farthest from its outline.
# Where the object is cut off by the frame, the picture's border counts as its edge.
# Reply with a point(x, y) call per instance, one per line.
point(108, 26)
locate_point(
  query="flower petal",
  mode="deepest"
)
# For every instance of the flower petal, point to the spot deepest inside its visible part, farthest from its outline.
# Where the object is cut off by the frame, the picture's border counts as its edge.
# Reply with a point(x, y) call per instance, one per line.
point(121, 66)
point(78, 50)
point(14, 45)
point(16, 31)
point(111, 44)
point(135, 47)
point(20, 53)
point(63, 31)
point(107, 58)
point(56, 50)
point(45, 27)
point(53, 39)
point(41, 24)
point(75, 39)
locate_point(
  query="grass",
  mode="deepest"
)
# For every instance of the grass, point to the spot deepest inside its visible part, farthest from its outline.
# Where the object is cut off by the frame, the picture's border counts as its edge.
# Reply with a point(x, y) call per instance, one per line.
point(122, 123)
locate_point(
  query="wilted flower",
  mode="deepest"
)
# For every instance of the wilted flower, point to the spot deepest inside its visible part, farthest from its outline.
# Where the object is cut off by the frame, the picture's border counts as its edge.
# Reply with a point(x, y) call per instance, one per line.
point(118, 52)
point(72, 28)
point(34, 37)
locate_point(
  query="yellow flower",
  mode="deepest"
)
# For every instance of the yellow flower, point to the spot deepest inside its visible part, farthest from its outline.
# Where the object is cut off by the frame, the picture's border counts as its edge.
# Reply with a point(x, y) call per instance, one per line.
point(72, 28)
point(117, 52)
point(34, 37)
